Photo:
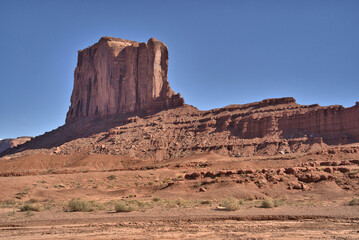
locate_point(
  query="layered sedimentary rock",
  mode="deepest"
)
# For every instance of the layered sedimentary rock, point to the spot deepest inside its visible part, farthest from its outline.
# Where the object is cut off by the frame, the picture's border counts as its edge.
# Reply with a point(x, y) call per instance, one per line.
point(121, 77)
point(269, 127)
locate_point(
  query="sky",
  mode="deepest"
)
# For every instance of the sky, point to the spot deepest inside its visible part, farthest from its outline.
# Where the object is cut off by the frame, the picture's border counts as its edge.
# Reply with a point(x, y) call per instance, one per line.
point(220, 52)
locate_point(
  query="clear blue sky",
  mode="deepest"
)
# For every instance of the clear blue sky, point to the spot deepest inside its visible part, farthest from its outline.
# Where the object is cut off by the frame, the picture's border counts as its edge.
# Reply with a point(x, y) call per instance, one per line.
point(221, 52)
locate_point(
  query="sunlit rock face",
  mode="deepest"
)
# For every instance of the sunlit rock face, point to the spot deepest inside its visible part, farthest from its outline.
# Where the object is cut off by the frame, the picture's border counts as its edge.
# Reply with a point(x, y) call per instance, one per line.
point(121, 77)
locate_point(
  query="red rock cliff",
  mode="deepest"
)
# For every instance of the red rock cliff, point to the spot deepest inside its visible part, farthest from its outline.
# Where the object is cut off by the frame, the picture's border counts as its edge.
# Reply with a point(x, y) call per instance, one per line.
point(117, 76)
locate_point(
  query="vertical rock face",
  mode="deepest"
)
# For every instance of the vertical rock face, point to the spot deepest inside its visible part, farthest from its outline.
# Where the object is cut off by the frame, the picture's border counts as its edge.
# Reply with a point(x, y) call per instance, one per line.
point(117, 76)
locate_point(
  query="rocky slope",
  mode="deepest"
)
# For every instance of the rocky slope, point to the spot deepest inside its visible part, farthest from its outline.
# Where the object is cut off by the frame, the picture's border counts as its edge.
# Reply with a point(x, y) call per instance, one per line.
point(269, 127)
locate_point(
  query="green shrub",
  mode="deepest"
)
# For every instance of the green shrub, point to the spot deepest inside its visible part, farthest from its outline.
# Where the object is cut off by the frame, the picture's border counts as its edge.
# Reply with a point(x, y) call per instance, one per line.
point(354, 202)
point(126, 207)
point(230, 204)
point(78, 205)
point(29, 207)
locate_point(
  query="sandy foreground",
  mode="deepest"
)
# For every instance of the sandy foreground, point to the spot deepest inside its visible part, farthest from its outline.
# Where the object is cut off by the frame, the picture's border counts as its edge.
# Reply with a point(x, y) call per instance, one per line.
point(286, 222)
point(178, 199)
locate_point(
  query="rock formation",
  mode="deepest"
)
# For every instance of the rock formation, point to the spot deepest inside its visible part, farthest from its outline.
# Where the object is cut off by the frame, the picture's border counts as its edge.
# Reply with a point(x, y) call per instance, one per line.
point(121, 88)
point(121, 77)
point(11, 142)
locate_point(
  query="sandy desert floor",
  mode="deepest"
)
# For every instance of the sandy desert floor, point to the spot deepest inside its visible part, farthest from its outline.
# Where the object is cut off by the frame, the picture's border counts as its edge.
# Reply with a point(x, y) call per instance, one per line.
point(181, 198)
point(200, 223)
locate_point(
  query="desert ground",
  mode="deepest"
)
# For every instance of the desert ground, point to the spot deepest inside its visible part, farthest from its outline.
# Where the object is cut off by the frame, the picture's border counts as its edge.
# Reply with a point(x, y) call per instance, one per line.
point(311, 195)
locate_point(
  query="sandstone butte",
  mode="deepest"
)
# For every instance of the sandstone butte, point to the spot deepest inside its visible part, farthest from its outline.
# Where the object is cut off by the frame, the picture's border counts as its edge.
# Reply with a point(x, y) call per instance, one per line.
point(119, 77)
point(122, 104)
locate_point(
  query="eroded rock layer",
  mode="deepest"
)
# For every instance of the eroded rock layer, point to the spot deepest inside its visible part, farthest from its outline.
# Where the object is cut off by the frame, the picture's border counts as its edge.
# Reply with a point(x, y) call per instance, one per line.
point(118, 77)
point(270, 127)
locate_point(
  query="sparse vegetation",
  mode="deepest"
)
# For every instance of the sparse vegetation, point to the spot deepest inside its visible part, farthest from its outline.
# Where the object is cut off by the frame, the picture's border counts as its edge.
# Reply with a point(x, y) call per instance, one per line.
point(156, 199)
point(29, 214)
point(180, 202)
point(78, 205)
point(29, 207)
point(205, 202)
point(21, 194)
point(32, 200)
point(12, 213)
point(354, 202)
point(8, 203)
point(231, 204)
point(271, 203)
point(267, 203)
point(111, 177)
point(126, 206)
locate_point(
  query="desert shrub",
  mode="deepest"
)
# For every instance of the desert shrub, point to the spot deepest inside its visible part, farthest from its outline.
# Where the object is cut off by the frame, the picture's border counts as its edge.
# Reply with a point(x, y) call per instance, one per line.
point(126, 207)
point(111, 177)
point(170, 204)
point(241, 201)
point(230, 204)
point(29, 207)
point(78, 205)
point(180, 202)
point(205, 202)
point(156, 199)
point(267, 203)
point(8, 203)
point(278, 203)
point(354, 202)
point(271, 203)
point(21, 194)
point(32, 200)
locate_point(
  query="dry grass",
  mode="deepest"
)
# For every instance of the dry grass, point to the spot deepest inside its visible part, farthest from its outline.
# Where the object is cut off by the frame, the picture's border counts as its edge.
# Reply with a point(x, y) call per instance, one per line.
point(78, 205)
point(29, 207)
point(126, 206)
point(271, 203)
point(354, 202)
point(231, 204)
